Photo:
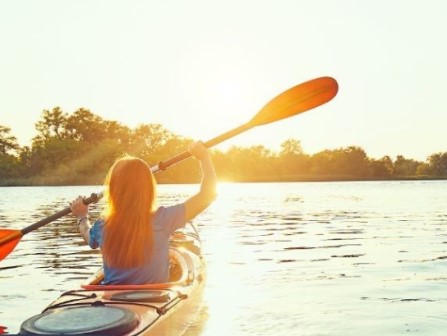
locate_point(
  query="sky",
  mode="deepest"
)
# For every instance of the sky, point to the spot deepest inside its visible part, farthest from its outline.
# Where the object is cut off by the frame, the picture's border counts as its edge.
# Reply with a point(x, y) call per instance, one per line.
point(203, 67)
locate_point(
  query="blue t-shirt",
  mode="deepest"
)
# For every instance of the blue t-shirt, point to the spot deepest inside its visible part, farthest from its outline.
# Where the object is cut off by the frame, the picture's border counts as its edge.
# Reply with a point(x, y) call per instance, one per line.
point(165, 221)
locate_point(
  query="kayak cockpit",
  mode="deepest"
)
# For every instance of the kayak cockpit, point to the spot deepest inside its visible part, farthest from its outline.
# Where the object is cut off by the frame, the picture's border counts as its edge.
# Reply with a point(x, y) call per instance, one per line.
point(155, 309)
point(181, 273)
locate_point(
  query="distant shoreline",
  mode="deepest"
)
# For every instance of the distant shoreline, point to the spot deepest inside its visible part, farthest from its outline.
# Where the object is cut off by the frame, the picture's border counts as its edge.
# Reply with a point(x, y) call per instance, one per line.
point(308, 178)
point(79, 148)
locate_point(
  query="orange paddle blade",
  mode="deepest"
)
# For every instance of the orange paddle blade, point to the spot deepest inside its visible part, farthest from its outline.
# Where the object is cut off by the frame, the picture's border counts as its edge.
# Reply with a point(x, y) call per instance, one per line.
point(297, 99)
point(8, 241)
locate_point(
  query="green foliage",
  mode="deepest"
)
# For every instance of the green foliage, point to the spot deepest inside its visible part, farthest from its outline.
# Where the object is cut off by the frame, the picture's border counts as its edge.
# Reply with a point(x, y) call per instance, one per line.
point(8, 142)
point(9, 167)
point(405, 167)
point(382, 168)
point(351, 162)
point(291, 148)
point(79, 148)
point(437, 164)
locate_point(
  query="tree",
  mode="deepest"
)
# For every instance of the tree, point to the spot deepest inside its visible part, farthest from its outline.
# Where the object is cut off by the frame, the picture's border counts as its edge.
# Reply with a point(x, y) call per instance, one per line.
point(292, 161)
point(405, 167)
point(353, 161)
point(382, 167)
point(250, 164)
point(114, 130)
point(291, 147)
point(350, 161)
point(8, 143)
point(424, 169)
point(52, 124)
point(438, 164)
point(86, 126)
point(9, 168)
point(9, 164)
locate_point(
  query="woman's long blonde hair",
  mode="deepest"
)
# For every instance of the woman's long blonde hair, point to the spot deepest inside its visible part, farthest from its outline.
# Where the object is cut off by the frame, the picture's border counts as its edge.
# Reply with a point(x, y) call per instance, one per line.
point(130, 200)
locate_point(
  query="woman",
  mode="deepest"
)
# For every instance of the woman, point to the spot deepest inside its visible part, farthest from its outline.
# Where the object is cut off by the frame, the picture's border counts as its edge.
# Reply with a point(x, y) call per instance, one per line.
point(134, 234)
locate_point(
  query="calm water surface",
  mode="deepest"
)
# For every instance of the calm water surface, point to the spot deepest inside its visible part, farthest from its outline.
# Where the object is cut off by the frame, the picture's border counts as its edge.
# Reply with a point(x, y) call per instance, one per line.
point(348, 258)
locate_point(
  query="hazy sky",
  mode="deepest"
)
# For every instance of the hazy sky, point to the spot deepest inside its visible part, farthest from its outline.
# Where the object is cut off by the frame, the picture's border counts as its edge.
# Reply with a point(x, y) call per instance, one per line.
point(200, 68)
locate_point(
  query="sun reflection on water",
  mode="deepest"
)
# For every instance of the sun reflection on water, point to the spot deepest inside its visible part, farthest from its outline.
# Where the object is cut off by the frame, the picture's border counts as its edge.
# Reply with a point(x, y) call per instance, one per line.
point(282, 258)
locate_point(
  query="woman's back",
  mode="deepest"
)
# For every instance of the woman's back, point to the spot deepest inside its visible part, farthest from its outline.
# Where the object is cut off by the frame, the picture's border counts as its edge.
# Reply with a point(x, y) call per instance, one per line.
point(156, 268)
point(134, 239)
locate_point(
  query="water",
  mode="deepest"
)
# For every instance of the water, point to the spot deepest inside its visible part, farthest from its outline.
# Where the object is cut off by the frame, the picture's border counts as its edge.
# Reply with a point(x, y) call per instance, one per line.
point(340, 258)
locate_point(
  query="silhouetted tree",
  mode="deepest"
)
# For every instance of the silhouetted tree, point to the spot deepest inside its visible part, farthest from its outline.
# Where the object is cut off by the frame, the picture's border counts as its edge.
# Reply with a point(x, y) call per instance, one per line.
point(405, 167)
point(438, 164)
point(381, 168)
point(79, 148)
point(349, 162)
point(8, 142)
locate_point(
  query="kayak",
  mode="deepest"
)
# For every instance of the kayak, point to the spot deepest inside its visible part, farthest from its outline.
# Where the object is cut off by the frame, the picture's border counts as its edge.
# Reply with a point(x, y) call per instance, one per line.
point(150, 309)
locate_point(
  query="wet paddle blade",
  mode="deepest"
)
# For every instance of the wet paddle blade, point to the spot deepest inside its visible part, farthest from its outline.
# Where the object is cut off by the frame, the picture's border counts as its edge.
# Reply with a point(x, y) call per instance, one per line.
point(297, 99)
point(8, 241)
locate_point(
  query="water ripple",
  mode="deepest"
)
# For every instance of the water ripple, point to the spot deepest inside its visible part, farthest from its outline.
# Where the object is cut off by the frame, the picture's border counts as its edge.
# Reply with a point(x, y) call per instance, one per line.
point(321, 258)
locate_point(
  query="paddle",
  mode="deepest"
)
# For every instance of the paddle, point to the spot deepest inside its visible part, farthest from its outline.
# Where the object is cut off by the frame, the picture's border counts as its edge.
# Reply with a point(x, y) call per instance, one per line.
point(295, 100)
point(10, 238)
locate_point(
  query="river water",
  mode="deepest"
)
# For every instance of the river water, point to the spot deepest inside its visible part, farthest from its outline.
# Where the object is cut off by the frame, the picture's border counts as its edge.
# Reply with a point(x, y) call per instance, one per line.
point(339, 258)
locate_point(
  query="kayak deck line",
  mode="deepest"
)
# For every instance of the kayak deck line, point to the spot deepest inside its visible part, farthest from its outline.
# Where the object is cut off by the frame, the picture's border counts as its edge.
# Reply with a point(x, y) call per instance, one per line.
point(103, 299)
point(149, 309)
point(106, 298)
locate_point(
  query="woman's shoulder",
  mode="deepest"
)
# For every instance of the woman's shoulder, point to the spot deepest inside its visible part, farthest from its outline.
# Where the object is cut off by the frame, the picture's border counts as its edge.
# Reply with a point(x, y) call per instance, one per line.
point(167, 210)
point(171, 213)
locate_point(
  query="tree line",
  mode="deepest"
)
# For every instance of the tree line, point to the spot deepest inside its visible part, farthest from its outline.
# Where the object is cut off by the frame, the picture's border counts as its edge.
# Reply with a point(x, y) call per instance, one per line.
point(78, 148)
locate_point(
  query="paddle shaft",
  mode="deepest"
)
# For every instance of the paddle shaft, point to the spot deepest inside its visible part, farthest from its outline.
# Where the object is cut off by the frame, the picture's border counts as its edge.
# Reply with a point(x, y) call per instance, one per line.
point(19, 233)
point(210, 143)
